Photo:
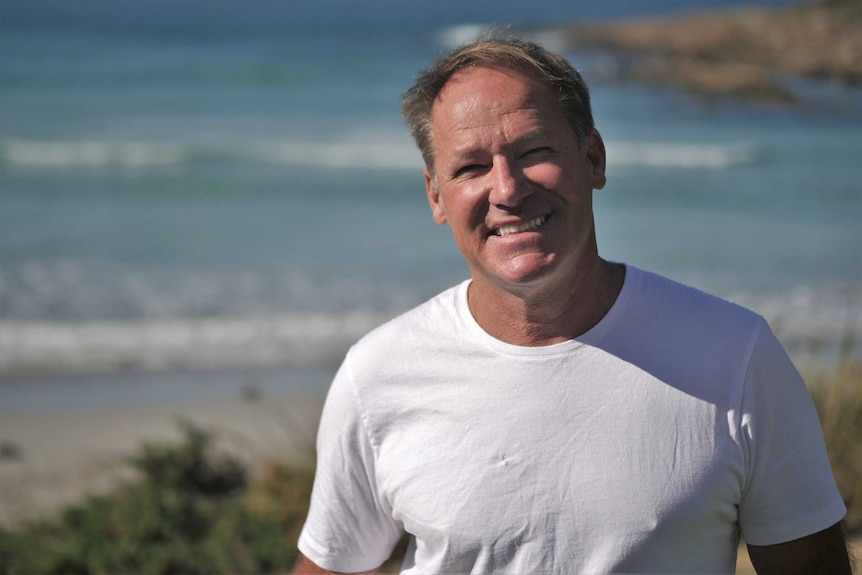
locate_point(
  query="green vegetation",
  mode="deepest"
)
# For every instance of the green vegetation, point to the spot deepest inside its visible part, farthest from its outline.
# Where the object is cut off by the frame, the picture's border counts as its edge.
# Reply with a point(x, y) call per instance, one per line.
point(190, 512)
point(193, 510)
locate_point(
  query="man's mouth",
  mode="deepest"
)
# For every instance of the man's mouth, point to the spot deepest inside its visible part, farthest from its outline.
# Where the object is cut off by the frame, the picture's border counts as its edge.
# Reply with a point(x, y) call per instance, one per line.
point(527, 226)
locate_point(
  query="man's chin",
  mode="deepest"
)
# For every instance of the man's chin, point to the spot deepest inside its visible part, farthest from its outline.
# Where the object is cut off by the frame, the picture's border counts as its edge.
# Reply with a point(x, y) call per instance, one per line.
point(522, 272)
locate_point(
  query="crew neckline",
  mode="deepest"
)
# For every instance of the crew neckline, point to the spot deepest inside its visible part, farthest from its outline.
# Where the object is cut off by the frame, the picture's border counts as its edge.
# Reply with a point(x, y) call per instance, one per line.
point(591, 337)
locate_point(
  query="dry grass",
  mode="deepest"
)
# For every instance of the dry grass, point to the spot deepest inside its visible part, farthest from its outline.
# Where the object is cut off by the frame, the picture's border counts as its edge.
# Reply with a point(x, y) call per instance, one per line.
point(839, 404)
point(838, 398)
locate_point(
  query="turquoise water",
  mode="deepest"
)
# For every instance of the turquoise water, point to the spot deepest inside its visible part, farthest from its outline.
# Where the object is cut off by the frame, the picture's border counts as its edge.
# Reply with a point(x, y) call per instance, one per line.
point(183, 193)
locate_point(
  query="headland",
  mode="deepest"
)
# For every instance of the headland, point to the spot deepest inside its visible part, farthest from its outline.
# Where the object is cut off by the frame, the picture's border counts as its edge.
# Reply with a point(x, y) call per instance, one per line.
point(751, 53)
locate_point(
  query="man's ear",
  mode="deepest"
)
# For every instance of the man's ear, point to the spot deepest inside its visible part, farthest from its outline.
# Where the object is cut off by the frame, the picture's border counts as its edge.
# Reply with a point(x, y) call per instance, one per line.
point(595, 148)
point(438, 210)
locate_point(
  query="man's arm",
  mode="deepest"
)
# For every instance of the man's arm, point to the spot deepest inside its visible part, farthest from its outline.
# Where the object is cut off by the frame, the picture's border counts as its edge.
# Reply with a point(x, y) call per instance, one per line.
point(824, 553)
point(306, 566)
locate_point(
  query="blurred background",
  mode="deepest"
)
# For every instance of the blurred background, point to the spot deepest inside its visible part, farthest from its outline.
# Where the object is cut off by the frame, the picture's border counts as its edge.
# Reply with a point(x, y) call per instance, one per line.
point(191, 185)
point(200, 200)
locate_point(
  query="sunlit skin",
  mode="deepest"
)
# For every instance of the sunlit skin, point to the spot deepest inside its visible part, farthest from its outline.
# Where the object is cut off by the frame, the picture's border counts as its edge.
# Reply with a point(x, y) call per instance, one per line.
point(506, 156)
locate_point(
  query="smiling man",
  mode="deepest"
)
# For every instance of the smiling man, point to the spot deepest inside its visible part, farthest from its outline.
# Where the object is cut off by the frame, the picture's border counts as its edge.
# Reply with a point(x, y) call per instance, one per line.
point(556, 412)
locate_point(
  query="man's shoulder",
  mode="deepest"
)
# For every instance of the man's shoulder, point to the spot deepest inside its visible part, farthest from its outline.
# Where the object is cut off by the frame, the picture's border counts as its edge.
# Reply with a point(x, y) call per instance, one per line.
point(413, 328)
point(664, 315)
point(664, 298)
point(697, 341)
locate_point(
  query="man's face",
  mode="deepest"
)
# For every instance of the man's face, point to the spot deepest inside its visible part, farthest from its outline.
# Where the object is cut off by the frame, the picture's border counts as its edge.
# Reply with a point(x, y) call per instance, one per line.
point(512, 180)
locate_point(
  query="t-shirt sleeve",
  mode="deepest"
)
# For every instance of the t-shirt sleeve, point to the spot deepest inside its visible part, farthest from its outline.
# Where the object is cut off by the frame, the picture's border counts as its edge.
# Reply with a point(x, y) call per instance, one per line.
point(790, 491)
point(348, 527)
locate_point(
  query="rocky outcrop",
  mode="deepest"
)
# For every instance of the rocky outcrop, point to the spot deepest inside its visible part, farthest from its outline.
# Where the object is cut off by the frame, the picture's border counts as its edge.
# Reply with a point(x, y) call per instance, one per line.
point(746, 52)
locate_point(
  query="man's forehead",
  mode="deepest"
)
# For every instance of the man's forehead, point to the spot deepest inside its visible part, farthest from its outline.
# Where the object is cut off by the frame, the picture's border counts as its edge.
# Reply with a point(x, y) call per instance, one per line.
point(482, 90)
point(473, 75)
point(474, 95)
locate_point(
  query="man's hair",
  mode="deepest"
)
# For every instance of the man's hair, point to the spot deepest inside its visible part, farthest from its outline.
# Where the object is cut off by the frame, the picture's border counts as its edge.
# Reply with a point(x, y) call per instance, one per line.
point(502, 53)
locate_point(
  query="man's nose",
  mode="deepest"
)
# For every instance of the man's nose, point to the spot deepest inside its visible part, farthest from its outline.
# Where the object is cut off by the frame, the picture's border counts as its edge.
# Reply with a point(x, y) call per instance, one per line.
point(508, 187)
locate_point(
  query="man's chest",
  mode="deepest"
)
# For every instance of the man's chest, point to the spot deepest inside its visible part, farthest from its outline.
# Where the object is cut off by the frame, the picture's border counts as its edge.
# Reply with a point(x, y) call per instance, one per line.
point(507, 476)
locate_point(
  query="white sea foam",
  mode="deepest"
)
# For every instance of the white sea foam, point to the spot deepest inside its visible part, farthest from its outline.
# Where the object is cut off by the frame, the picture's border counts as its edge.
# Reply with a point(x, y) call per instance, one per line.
point(816, 325)
point(90, 154)
point(805, 314)
point(396, 153)
point(679, 155)
point(820, 327)
point(374, 152)
point(365, 150)
point(371, 153)
point(45, 347)
point(457, 35)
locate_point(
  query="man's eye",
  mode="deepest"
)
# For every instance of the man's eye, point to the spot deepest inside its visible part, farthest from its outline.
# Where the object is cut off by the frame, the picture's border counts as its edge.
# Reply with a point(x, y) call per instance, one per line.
point(468, 169)
point(539, 150)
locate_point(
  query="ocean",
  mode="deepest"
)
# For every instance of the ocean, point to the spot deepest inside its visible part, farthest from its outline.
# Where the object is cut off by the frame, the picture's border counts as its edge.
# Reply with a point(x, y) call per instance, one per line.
point(197, 188)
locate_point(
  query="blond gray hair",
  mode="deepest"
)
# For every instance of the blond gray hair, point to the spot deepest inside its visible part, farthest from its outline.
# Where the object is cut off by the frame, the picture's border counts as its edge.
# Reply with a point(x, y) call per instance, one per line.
point(504, 53)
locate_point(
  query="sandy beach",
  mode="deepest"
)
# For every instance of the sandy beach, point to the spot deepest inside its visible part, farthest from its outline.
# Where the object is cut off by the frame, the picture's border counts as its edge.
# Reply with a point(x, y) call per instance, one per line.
point(59, 456)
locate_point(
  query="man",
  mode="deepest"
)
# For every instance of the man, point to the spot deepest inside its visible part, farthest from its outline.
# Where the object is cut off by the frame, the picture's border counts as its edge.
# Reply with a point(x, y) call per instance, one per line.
point(559, 413)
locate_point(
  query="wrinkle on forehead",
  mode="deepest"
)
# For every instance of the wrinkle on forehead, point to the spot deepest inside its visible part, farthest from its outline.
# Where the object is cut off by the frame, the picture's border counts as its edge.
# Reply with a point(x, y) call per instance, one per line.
point(477, 123)
point(478, 102)
point(470, 115)
point(486, 109)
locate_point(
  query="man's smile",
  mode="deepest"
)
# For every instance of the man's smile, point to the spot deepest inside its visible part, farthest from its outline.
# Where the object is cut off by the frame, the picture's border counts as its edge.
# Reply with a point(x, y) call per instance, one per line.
point(517, 228)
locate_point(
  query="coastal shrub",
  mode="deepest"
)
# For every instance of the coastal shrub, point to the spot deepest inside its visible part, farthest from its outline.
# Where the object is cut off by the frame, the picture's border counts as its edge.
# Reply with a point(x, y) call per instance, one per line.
point(192, 511)
point(839, 405)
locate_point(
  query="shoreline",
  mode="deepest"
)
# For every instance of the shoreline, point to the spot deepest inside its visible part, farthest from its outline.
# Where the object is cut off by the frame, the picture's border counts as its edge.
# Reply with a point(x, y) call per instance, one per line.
point(818, 322)
point(52, 458)
point(64, 437)
point(746, 53)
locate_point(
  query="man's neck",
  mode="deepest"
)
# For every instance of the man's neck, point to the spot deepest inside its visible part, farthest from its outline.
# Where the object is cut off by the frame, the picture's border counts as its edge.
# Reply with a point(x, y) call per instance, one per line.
point(545, 315)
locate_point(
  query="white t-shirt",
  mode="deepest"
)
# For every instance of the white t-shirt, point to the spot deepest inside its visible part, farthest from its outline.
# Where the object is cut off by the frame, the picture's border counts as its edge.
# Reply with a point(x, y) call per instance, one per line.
point(646, 445)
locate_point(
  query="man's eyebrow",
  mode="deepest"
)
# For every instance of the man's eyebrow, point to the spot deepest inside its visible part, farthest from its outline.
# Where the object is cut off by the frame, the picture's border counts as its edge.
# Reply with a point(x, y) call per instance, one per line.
point(470, 151)
point(466, 152)
point(539, 134)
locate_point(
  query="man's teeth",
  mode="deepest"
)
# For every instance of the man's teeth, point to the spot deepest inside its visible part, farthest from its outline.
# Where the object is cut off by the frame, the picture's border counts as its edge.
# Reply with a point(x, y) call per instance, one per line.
point(531, 225)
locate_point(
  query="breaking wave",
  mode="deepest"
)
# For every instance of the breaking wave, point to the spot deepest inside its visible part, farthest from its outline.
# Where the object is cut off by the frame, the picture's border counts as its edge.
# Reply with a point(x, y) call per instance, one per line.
point(679, 155)
point(93, 347)
point(815, 324)
point(89, 154)
point(378, 154)
point(386, 152)
point(454, 36)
